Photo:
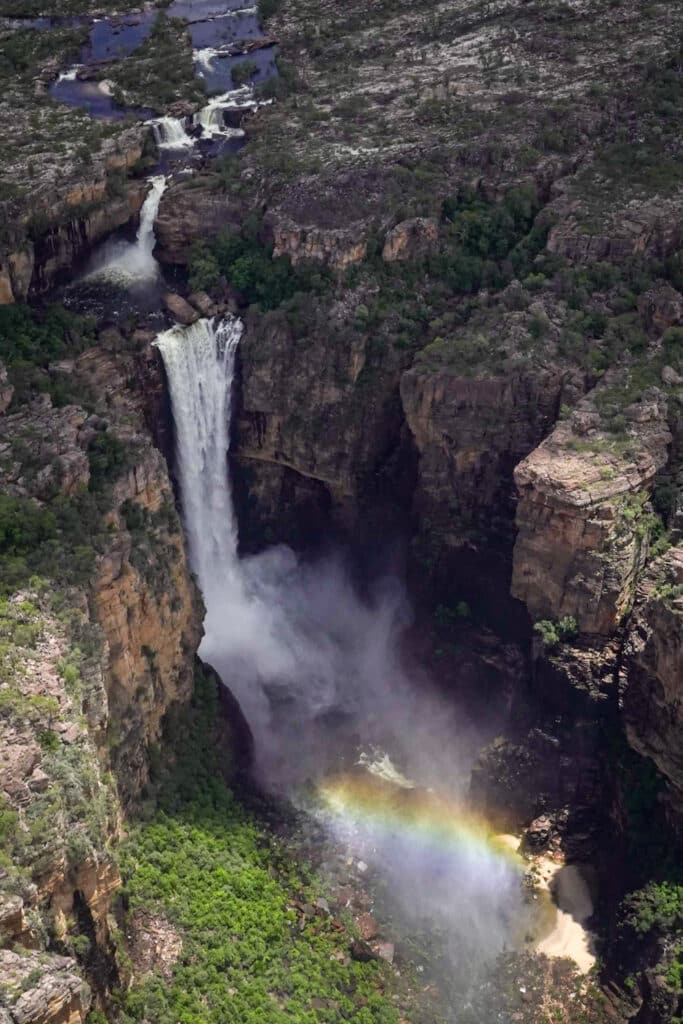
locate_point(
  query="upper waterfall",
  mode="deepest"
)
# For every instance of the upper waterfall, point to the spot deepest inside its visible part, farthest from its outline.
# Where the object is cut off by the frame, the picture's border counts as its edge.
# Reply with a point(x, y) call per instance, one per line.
point(169, 133)
point(133, 263)
point(200, 365)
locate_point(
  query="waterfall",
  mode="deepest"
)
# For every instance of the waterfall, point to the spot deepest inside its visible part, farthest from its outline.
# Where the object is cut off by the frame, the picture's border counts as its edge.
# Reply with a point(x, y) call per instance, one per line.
point(169, 133)
point(210, 118)
point(200, 364)
point(132, 263)
point(317, 672)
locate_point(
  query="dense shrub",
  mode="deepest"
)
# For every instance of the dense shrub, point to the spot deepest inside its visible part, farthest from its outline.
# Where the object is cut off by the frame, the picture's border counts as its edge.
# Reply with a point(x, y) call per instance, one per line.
point(250, 267)
point(554, 633)
point(247, 956)
point(490, 242)
point(31, 339)
point(107, 456)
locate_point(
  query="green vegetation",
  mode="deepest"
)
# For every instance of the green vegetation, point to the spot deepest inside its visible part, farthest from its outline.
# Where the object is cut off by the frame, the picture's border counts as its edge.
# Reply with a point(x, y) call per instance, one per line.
point(108, 457)
point(22, 51)
point(247, 955)
point(31, 339)
point(161, 71)
point(490, 242)
point(656, 908)
point(75, 812)
point(268, 8)
point(243, 71)
point(57, 541)
point(553, 634)
point(249, 267)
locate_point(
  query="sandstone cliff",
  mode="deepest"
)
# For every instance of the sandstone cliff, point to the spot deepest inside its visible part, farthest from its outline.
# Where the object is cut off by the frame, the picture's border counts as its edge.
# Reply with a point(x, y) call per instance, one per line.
point(68, 216)
point(582, 540)
point(94, 656)
point(652, 673)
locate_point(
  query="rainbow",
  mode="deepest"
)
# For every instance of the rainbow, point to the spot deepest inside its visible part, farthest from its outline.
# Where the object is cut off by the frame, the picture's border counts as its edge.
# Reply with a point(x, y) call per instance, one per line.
point(415, 815)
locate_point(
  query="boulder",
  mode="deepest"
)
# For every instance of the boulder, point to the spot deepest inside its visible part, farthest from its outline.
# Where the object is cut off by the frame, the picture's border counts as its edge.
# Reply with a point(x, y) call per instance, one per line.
point(180, 309)
point(203, 303)
point(661, 307)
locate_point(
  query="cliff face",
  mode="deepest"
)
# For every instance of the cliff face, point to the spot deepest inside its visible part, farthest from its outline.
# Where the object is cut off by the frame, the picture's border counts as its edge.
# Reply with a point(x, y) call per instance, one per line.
point(143, 597)
point(66, 219)
point(42, 989)
point(470, 433)
point(328, 412)
point(581, 541)
point(652, 674)
point(84, 692)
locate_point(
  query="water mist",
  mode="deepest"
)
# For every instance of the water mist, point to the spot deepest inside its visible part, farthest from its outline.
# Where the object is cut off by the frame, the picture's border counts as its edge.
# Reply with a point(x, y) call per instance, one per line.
point(318, 674)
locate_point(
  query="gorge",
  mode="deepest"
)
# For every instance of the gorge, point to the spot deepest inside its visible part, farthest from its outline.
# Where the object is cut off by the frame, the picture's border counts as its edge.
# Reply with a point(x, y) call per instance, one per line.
point(340, 512)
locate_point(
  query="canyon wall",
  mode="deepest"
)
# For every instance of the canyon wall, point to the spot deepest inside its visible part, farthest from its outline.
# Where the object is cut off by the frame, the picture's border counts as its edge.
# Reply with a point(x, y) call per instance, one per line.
point(93, 667)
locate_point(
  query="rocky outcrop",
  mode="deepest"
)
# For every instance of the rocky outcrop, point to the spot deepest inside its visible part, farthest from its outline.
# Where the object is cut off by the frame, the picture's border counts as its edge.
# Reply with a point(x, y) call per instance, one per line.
point(335, 247)
point(411, 239)
point(58, 246)
point(190, 215)
point(661, 307)
point(42, 989)
point(69, 215)
point(652, 674)
point(634, 227)
point(581, 516)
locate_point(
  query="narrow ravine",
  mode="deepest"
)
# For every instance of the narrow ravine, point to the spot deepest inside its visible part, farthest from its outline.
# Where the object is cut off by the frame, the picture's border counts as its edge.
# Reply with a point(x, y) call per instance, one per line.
point(340, 728)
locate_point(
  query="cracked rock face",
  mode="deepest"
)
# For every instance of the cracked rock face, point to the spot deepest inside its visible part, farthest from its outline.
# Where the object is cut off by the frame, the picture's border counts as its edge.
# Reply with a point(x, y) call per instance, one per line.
point(582, 495)
point(652, 674)
point(40, 988)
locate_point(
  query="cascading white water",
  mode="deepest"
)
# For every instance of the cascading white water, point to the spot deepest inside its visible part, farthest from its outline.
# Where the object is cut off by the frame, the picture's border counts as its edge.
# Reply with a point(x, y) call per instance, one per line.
point(200, 364)
point(211, 117)
point(169, 133)
point(132, 263)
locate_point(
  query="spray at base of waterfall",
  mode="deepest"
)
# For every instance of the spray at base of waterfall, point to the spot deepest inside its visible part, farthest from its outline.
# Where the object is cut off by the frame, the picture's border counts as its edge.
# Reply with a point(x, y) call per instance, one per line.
point(132, 264)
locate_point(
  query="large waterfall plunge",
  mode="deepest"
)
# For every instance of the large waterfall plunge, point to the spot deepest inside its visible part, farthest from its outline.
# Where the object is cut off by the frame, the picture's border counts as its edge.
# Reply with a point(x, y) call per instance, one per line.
point(200, 364)
point(318, 675)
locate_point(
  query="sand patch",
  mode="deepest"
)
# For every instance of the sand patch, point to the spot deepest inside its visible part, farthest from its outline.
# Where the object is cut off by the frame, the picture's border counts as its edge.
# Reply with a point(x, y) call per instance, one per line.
point(569, 937)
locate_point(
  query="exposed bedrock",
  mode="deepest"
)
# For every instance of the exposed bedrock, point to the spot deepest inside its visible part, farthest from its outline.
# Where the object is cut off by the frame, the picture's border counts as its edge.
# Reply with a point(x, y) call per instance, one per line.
point(652, 674)
point(319, 421)
point(68, 218)
point(583, 494)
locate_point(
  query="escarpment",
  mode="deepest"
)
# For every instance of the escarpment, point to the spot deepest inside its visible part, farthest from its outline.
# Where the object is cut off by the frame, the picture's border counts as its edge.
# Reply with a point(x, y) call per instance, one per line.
point(455, 239)
point(581, 543)
point(652, 673)
point(66, 217)
point(101, 627)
